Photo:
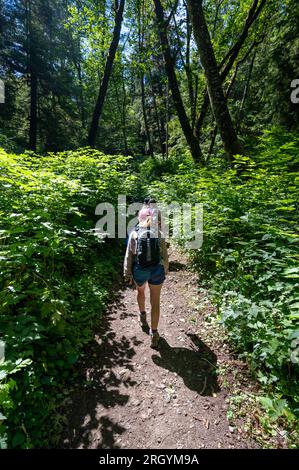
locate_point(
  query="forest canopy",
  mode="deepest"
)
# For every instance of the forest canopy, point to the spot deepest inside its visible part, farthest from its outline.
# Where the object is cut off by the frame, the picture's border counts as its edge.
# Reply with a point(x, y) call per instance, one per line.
point(130, 76)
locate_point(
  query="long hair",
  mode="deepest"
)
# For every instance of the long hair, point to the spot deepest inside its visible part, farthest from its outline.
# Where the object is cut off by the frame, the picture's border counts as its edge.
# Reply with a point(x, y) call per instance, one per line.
point(146, 222)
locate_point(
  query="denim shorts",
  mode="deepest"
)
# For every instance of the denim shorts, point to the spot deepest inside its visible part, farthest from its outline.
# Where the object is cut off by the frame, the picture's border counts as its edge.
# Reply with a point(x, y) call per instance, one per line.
point(152, 274)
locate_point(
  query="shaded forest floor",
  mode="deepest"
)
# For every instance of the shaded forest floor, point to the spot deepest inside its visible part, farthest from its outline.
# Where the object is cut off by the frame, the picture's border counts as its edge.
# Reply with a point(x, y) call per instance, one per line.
point(131, 396)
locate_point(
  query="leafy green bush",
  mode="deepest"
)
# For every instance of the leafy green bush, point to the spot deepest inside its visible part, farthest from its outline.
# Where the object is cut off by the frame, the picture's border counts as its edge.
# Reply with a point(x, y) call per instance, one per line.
point(249, 255)
point(55, 277)
point(8, 144)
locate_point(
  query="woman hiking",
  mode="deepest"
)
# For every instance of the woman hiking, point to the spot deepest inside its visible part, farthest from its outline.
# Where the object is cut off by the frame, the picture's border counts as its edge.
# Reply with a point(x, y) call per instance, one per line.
point(146, 261)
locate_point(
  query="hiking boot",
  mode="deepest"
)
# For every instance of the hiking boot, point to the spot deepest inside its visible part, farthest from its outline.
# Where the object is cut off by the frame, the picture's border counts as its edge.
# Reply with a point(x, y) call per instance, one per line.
point(142, 319)
point(155, 337)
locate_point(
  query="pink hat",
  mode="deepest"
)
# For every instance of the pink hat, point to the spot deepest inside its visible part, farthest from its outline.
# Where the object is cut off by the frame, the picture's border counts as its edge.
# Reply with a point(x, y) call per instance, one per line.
point(144, 213)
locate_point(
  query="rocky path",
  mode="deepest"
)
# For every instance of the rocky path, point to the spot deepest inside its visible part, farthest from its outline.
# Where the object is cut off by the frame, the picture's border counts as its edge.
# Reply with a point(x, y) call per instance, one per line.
point(131, 396)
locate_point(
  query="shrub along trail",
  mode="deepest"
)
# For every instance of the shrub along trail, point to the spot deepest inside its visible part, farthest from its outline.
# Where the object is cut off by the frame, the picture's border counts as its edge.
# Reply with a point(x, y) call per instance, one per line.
point(131, 396)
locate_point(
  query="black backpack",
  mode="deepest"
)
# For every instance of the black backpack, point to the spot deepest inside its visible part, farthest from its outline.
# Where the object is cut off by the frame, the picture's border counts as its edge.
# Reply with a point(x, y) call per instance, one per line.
point(148, 247)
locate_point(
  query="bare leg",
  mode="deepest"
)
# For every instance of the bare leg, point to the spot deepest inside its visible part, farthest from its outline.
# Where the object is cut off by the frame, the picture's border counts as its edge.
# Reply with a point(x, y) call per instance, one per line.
point(141, 297)
point(155, 304)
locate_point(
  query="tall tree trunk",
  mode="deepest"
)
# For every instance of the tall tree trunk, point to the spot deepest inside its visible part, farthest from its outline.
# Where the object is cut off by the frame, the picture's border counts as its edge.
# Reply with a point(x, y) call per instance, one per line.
point(33, 110)
point(146, 125)
point(203, 112)
point(232, 54)
point(107, 73)
point(81, 104)
point(189, 69)
point(173, 84)
point(193, 121)
point(212, 143)
point(167, 121)
point(246, 89)
point(214, 83)
point(142, 75)
point(230, 58)
point(124, 115)
point(186, 60)
point(122, 110)
point(33, 78)
point(229, 88)
point(157, 116)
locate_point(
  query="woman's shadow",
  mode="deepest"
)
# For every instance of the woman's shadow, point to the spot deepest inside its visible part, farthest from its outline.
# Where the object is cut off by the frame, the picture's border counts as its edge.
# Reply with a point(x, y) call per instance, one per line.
point(196, 367)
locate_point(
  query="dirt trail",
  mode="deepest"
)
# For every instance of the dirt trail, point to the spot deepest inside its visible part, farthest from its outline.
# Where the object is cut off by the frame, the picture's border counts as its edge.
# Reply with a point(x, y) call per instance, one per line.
point(131, 396)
